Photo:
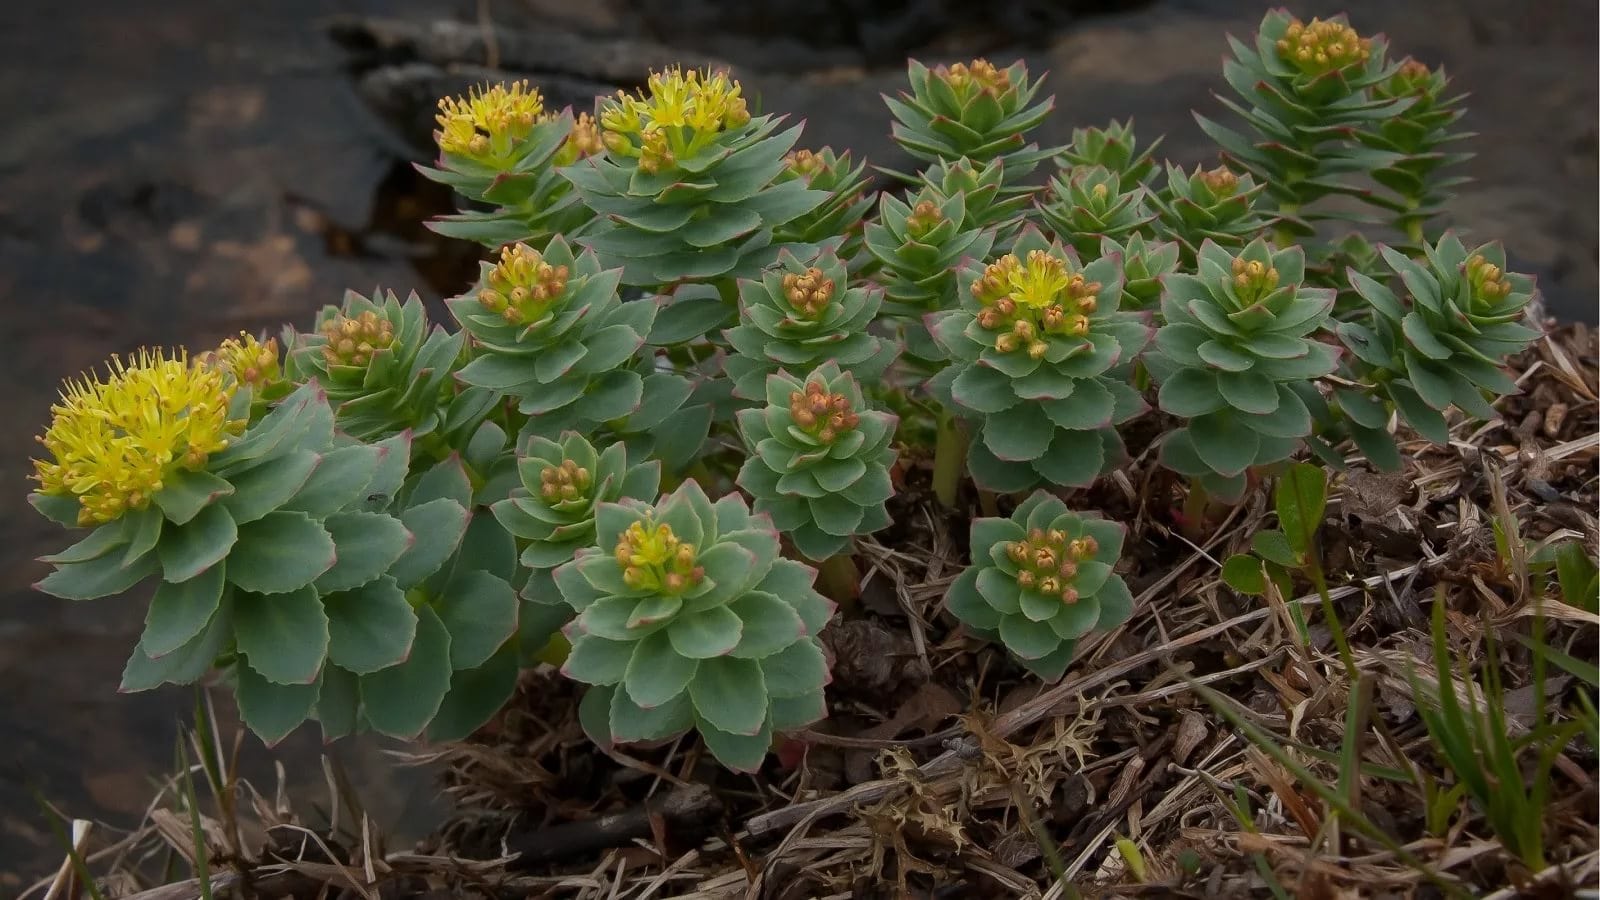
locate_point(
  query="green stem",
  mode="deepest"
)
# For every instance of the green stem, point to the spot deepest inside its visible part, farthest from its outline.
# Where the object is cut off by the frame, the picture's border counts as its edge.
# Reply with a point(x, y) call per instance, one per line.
point(1283, 235)
point(839, 580)
point(949, 460)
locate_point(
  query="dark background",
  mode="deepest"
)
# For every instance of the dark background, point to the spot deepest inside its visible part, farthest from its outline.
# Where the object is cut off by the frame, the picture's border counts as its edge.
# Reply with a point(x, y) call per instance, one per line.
point(172, 172)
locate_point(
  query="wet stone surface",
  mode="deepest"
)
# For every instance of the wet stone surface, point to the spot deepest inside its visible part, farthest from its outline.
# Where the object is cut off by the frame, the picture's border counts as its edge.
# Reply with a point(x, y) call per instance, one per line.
point(179, 173)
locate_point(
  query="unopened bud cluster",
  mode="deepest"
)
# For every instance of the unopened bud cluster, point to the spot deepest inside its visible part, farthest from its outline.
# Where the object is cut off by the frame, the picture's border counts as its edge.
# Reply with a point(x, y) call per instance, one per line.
point(978, 75)
point(566, 483)
point(808, 293)
point(925, 217)
point(249, 360)
point(821, 414)
point(1322, 47)
point(1047, 562)
point(489, 122)
point(653, 559)
point(1253, 280)
point(1027, 302)
point(1220, 181)
point(805, 163)
point(522, 286)
point(1488, 281)
point(353, 339)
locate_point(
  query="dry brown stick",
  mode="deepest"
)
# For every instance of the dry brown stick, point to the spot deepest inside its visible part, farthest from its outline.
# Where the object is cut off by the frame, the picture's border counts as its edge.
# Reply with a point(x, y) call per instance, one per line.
point(686, 808)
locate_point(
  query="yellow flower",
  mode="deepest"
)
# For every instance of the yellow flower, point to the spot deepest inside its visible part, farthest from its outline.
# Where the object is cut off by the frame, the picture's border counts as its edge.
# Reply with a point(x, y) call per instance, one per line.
point(249, 360)
point(522, 287)
point(653, 559)
point(582, 142)
point(488, 123)
point(1026, 301)
point(675, 114)
point(113, 443)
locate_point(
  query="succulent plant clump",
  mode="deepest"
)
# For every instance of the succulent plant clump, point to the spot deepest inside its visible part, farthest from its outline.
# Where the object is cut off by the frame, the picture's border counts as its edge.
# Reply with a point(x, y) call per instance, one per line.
point(1209, 205)
point(839, 219)
point(551, 332)
point(1114, 148)
point(973, 111)
point(1041, 580)
point(1233, 351)
point(254, 364)
point(1144, 265)
point(799, 316)
point(687, 618)
point(1090, 204)
point(819, 460)
point(690, 187)
point(987, 205)
point(1416, 140)
point(382, 367)
point(1443, 346)
point(1032, 348)
point(499, 146)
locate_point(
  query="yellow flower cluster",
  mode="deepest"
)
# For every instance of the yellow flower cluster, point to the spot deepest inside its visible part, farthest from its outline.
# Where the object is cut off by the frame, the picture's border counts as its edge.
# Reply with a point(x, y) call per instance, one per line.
point(1488, 281)
point(581, 143)
point(980, 75)
point(675, 115)
point(113, 443)
point(1220, 181)
point(488, 123)
point(654, 559)
point(522, 286)
point(1026, 302)
point(250, 361)
point(1252, 280)
point(1322, 47)
point(1047, 562)
point(351, 340)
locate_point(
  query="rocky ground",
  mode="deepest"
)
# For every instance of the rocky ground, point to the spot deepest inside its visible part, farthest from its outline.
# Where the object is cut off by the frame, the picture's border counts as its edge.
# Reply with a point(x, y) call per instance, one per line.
point(179, 173)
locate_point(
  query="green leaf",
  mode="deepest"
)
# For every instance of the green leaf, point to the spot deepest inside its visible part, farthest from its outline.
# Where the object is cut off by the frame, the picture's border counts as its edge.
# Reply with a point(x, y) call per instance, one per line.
point(185, 665)
point(100, 542)
point(198, 544)
point(685, 318)
point(369, 628)
point(730, 693)
point(96, 578)
point(596, 660)
point(1026, 638)
point(178, 612)
point(338, 480)
point(1227, 447)
point(741, 753)
point(1190, 393)
point(770, 625)
point(1020, 434)
point(285, 636)
point(967, 605)
point(272, 710)
point(281, 552)
point(480, 612)
point(796, 670)
point(401, 700)
point(263, 488)
point(1075, 458)
point(184, 493)
point(794, 713)
point(447, 479)
point(393, 463)
point(657, 673)
point(1300, 497)
point(707, 633)
point(61, 510)
point(1000, 591)
point(1243, 573)
point(475, 696)
point(632, 722)
point(983, 389)
point(338, 703)
point(1273, 546)
point(1576, 573)
point(594, 715)
point(437, 527)
point(144, 530)
point(367, 544)
point(1248, 392)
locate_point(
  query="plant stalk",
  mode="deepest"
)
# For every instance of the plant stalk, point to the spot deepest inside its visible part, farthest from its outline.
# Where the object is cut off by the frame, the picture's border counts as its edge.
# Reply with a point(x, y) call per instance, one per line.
point(949, 460)
point(839, 580)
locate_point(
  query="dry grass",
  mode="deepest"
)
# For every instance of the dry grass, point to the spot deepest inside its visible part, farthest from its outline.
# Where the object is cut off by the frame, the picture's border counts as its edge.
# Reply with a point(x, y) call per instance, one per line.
point(1209, 748)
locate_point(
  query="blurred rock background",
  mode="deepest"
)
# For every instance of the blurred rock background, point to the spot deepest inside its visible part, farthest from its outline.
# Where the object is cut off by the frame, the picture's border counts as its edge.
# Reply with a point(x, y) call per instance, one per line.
point(176, 172)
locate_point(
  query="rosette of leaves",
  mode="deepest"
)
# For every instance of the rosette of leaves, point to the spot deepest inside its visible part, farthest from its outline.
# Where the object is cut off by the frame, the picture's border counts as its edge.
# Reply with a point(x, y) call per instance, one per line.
point(1040, 581)
point(988, 206)
point(1209, 205)
point(1114, 148)
point(1144, 265)
point(1234, 349)
point(974, 111)
point(279, 554)
point(499, 147)
point(689, 188)
point(837, 219)
point(819, 460)
point(687, 618)
point(551, 513)
point(800, 316)
point(1032, 350)
point(1416, 141)
point(1443, 346)
point(550, 331)
point(1090, 204)
point(919, 245)
point(385, 370)
point(1304, 90)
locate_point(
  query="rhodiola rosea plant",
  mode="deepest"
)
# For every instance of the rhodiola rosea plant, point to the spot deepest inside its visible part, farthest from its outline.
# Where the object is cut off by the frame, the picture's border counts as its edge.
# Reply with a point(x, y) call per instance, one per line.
point(701, 358)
